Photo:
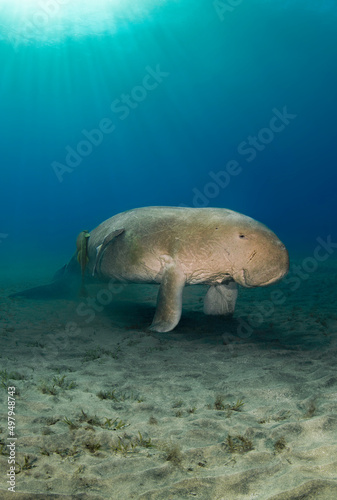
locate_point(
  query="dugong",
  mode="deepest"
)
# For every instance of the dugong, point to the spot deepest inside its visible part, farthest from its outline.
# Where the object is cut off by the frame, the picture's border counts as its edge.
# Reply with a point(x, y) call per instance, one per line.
point(178, 246)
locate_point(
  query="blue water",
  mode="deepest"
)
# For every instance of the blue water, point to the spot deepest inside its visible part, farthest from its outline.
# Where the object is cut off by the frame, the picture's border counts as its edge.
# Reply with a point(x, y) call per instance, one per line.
point(108, 105)
point(199, 81)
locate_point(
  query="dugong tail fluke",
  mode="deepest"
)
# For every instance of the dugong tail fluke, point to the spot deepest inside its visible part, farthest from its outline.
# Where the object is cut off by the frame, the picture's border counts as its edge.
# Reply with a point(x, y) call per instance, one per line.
point(68, 281)
point(65, 284)
point(56, 290)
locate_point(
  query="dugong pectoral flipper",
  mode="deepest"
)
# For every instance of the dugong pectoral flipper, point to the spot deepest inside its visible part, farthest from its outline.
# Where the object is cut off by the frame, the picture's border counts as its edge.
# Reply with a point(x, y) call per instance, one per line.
point(169, 301)
point(221, 299)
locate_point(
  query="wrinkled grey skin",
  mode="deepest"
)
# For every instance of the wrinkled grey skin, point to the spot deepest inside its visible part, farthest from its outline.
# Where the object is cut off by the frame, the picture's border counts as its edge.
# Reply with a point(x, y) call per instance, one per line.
point(177, 246)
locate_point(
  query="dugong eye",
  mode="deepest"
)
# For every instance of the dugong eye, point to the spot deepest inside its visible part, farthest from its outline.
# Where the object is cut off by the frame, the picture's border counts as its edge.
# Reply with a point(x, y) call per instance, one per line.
point(242, 236)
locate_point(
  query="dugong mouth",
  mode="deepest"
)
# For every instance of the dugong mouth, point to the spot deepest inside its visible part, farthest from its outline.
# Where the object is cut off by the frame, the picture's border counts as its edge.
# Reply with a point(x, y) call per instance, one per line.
point(244, 279)
point(272, 280)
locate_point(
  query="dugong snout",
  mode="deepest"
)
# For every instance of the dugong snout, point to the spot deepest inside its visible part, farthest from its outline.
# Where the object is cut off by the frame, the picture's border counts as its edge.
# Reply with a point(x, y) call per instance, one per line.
point(269, 265)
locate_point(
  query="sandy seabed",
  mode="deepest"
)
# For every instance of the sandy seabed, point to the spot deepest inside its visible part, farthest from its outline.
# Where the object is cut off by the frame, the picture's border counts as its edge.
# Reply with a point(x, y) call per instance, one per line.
point(217, 409)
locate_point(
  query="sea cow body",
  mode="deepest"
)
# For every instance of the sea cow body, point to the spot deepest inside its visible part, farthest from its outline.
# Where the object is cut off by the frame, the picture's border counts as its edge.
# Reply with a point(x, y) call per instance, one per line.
point(177, 246)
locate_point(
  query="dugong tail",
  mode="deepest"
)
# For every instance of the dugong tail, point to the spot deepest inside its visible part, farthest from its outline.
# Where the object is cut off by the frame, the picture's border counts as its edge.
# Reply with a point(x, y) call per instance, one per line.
point(66, 284)
point(68, 280)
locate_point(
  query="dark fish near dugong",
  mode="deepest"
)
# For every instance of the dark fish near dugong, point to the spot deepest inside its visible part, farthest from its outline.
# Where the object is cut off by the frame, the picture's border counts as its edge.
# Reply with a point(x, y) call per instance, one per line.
point(177, 246)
